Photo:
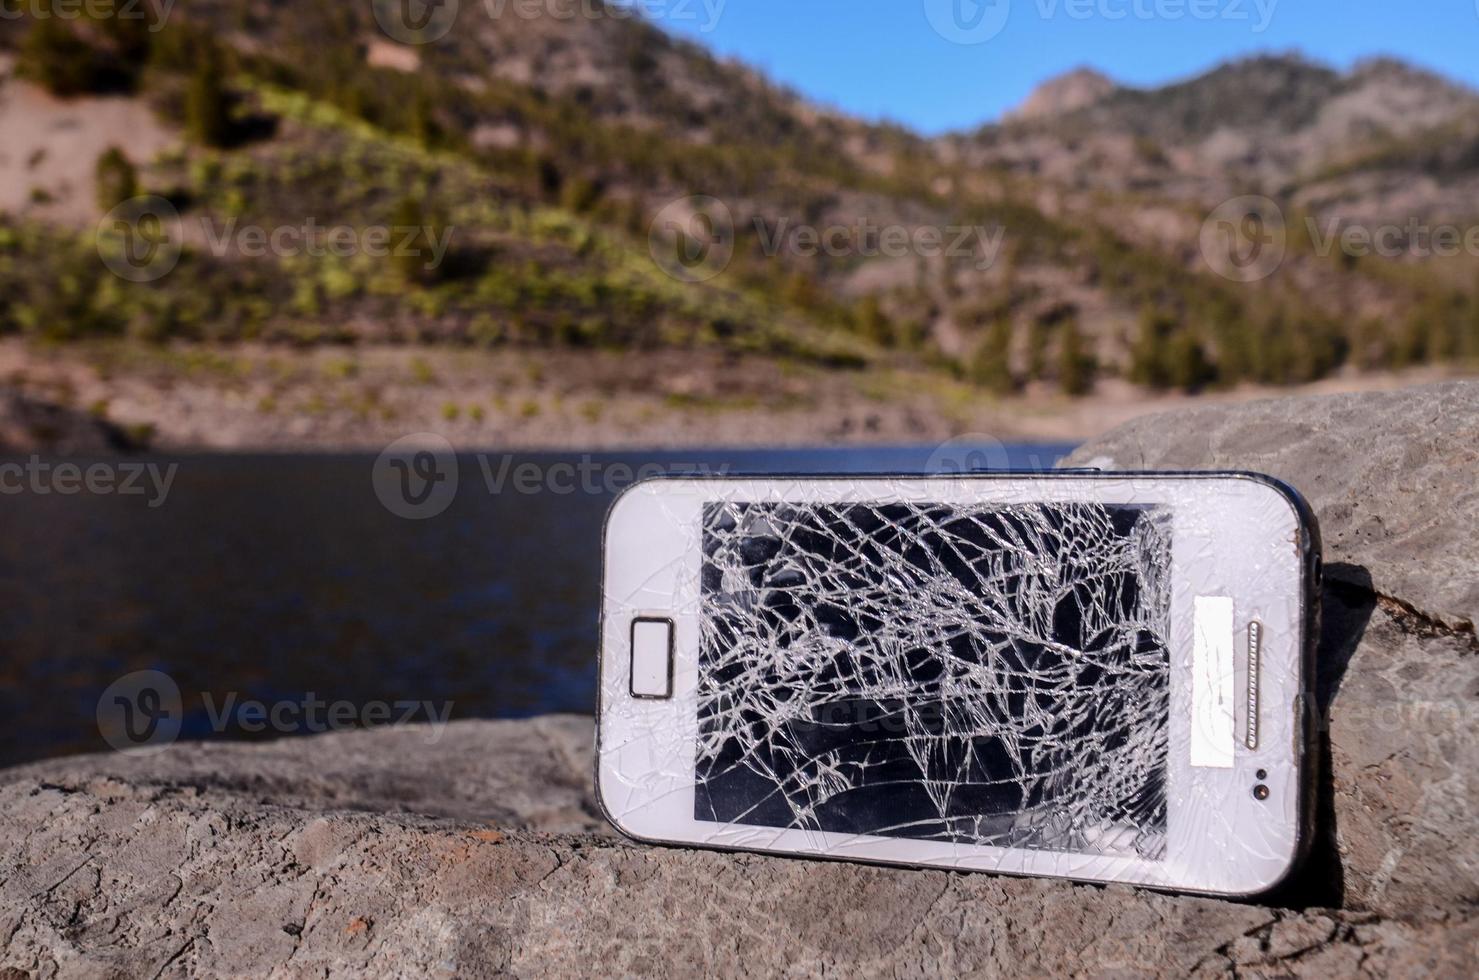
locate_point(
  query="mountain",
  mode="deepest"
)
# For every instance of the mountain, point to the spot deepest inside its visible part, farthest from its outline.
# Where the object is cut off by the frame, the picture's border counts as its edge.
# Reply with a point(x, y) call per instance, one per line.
point(1078, 89)
point(1276, 124)
point(1059, 245)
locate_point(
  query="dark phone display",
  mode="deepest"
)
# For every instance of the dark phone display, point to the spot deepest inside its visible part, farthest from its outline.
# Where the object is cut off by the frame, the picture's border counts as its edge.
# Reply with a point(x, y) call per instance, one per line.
point(974, 674)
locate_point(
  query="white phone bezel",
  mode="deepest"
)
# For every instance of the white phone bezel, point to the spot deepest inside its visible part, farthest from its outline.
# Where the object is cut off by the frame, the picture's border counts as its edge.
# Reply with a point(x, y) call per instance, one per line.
point(1232, 535)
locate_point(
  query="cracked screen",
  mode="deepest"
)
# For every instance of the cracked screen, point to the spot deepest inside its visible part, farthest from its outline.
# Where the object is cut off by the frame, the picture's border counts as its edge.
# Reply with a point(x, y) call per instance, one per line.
point(975, 674)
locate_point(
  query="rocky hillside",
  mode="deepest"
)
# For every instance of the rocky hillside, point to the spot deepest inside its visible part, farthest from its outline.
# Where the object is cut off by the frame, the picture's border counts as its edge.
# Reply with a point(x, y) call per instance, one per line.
point(1275, 124)
point(561, 168)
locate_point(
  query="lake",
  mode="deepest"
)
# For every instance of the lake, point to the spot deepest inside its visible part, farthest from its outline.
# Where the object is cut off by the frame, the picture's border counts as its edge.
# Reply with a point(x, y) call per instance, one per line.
point(287, 580)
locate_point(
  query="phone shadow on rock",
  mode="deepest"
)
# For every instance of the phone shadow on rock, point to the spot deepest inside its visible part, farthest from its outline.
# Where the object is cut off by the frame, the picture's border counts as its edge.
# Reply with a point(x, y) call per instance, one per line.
point(1347, 602)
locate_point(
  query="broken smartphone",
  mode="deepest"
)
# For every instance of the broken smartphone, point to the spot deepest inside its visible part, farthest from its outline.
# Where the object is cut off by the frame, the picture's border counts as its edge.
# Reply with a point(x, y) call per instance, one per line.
point(1093, 676)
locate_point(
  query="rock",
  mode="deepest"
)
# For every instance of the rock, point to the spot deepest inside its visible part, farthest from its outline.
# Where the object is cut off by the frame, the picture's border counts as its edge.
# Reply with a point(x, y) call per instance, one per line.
point(1394, 477)
point(109, 870)
point(1394, 480)
point(533, 774)
point(482, 854)
point(1078, 89)
point(28, 425)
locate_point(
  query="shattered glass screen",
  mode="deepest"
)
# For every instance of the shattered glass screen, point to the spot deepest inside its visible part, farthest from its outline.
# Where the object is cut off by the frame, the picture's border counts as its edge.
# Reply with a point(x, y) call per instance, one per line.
point(974, 674)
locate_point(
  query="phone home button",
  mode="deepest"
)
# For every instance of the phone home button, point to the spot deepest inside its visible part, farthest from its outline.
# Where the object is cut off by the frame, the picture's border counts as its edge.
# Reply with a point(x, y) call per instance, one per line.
point(652, 658)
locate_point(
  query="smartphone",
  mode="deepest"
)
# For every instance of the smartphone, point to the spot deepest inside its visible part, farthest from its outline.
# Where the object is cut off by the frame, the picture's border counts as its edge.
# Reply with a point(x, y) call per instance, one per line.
point(1094, 676)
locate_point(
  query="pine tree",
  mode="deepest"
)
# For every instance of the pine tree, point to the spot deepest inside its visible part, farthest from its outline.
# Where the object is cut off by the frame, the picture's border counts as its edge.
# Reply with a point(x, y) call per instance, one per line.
point(991, 365)
point(1147, 361)
point(56, 58)
point(873, 323)
point(415, 230)
point(1037, 350)
point(1186, 364)
point(1076, 365)
point(1470, 347)
point(207, 111)
point(116, 178)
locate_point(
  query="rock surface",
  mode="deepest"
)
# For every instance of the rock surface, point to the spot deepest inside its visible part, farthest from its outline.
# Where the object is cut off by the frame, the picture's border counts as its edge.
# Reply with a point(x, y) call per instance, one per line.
point(1394, 480)
point(30, 425)
point(1394, 477)
point(483, 854)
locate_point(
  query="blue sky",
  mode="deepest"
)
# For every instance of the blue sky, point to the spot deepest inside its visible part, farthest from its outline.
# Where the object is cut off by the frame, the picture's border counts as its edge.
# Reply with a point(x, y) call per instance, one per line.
point(883, 59)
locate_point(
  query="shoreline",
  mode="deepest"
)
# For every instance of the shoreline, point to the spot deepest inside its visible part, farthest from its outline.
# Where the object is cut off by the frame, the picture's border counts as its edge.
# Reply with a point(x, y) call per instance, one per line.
point(260, 399)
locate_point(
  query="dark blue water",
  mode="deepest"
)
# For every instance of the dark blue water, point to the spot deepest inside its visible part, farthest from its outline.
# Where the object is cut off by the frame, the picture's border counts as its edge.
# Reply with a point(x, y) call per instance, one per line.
point(272, 577)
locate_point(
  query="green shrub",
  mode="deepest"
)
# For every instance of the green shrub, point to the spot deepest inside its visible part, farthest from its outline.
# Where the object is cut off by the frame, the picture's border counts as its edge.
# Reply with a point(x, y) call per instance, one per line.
point(1076, 365)
point(1168, 355)
point(207, 108)
point(116, 179)
point(991, 364)
point(415, 231)
point(106, 55)
point(1185, 361)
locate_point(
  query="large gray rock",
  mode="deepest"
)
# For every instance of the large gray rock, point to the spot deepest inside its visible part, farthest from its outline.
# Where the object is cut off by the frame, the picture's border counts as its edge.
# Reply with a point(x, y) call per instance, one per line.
point(218, 860)
point(1394, 480)
point(534, 774)
point(482, 854)
point(1393, 475)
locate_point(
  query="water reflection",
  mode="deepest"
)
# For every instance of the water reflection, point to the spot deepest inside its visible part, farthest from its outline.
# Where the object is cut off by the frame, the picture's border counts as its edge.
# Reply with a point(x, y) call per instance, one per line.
point(273, 577)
